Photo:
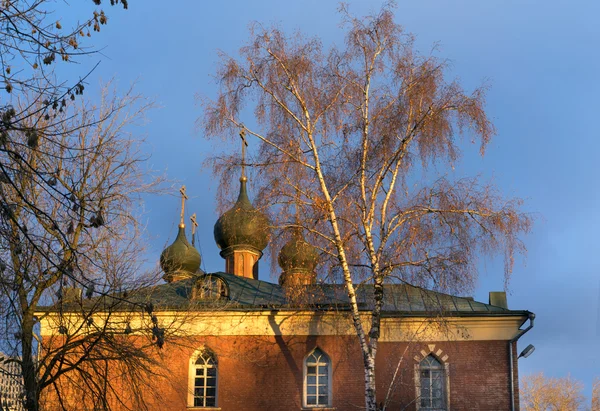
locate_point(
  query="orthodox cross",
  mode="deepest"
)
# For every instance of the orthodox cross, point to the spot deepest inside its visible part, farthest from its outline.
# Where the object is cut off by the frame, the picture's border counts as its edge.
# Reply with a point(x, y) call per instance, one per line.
point(183, 198)
point(244, 145)
point(194, 225)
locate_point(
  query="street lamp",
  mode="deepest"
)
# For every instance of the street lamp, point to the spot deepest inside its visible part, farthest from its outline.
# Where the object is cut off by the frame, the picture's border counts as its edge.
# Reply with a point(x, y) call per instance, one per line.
point(527, 351)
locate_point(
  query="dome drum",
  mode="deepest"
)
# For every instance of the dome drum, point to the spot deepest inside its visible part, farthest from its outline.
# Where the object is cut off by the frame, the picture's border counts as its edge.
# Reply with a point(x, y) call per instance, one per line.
point(297, 277)
point(242, 261)
point(177, 275)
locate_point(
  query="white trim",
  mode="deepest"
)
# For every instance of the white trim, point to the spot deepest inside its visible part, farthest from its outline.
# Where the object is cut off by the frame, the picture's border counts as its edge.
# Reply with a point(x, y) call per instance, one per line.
point(447, 381)
point(239, 323)
point(305, 405)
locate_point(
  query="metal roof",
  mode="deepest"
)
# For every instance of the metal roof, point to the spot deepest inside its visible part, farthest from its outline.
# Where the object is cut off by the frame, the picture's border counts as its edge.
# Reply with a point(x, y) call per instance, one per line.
point(249, 294)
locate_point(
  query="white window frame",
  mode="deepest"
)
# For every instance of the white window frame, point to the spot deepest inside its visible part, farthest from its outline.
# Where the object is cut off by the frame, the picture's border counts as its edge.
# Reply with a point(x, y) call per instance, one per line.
point(329, 381)
point(192, 378)
point(446, 382)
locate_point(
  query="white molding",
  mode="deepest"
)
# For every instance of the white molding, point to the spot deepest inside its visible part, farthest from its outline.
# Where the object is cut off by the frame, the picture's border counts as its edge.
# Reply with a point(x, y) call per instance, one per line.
point(417, 379)
point(269, 323)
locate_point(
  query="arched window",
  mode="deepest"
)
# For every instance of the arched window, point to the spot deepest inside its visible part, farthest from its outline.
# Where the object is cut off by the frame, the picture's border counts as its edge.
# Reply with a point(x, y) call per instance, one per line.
point(317, 380)
point(432, 384)
point(203, 380)
point(211, 288)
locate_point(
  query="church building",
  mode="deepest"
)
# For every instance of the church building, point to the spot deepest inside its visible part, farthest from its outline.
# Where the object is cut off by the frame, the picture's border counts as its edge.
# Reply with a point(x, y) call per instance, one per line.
point(253, 345)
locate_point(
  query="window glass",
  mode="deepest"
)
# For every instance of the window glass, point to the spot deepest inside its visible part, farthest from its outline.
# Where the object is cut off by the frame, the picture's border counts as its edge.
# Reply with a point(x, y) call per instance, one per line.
point(211, 288)
point(432, 383)
point(205, 381)
point(317, 379)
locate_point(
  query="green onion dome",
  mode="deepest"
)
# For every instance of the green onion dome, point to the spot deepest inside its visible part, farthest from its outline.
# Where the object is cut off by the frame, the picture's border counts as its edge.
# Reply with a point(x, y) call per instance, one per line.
point(298, 255)
point(242, 225)
point(180, 258)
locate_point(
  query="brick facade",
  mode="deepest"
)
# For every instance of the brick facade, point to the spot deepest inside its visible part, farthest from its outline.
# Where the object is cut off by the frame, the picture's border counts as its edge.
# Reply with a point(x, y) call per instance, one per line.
point(266, 373)
point(260, 345)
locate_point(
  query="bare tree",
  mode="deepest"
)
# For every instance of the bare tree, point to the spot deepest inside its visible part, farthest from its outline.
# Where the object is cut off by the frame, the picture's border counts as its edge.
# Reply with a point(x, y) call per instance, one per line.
point(541, 393)
point(70, 191)
point(596, 395)
point(33, 40)
point(33, 43)
point(353, 143)
point(70, 179)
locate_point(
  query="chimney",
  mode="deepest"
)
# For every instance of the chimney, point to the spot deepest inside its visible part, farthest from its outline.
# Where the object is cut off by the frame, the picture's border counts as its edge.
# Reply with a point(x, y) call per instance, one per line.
point(498, 298)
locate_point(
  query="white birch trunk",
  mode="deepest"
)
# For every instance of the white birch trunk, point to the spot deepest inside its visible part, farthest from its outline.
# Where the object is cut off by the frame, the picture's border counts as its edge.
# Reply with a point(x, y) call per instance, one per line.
point(370, 392)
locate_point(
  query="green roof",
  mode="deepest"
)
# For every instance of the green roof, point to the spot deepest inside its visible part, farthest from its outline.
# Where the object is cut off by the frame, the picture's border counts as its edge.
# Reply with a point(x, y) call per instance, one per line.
point(249, 294)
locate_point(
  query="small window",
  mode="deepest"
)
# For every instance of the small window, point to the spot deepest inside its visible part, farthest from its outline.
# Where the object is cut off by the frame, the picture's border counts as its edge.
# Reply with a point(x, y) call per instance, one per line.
point(317, 380)
point(211, 288)
point(432, 379)
point(203, 380)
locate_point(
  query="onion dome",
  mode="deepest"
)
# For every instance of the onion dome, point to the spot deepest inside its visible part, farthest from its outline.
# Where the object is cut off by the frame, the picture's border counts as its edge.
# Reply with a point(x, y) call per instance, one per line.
point(242, 226)
point(180, 259)
point(298, 259)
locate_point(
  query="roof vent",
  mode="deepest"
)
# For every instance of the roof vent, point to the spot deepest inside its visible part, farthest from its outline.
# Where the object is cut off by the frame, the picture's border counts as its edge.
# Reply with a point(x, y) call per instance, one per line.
point(498, 298)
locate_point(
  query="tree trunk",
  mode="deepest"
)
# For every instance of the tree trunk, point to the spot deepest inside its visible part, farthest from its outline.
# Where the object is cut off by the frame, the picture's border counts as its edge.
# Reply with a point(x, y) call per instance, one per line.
point(370, 393)
point(28, 365)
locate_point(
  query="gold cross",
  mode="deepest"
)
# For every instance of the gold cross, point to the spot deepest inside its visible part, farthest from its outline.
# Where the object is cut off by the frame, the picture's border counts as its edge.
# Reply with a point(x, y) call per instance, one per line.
point(244, 145)
point(183, 198)
point(194, 225)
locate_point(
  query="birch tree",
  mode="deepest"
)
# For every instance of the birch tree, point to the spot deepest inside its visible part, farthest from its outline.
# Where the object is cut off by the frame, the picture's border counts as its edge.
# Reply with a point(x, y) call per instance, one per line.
point(354, 147)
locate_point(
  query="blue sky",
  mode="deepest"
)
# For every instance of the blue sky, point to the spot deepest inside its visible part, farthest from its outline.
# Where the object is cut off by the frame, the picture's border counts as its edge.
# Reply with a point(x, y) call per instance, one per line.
point(542, 61)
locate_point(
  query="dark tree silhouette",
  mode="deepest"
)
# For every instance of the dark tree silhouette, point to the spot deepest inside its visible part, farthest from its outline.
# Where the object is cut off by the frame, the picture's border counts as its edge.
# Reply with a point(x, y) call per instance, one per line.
point(69, 222)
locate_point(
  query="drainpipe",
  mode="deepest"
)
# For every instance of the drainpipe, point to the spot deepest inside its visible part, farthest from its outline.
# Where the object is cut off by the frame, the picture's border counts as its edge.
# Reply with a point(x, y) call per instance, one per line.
point(510, 356)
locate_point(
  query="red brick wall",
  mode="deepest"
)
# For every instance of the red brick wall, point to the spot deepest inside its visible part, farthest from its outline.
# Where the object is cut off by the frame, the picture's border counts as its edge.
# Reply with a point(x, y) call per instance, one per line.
point(265, 373)
point(516, 380)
